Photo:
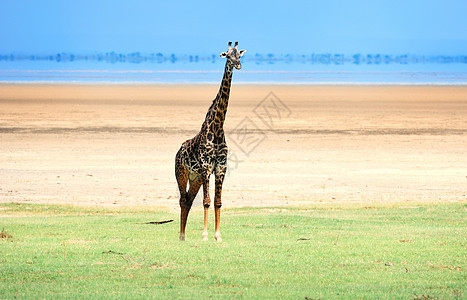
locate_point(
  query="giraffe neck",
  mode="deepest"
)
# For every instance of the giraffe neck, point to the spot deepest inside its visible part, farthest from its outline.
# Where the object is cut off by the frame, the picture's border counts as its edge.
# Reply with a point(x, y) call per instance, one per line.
point(218, 109)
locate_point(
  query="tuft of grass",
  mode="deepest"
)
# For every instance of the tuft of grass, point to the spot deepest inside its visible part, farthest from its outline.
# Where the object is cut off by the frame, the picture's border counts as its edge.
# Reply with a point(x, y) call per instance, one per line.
point(5, 235)
point(404, 251)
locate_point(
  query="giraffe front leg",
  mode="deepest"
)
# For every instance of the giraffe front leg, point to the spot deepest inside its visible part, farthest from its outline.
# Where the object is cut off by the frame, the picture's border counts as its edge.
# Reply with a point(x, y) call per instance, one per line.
point(217, 200)
point(206, 204)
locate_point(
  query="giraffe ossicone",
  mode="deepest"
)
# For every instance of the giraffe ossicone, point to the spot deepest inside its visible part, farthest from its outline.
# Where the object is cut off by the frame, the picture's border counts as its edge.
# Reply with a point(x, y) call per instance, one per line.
point(206, 153)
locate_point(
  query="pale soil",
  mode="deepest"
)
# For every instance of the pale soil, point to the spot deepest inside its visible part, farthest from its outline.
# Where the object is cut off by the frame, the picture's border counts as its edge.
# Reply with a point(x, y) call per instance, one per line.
point(115, 145)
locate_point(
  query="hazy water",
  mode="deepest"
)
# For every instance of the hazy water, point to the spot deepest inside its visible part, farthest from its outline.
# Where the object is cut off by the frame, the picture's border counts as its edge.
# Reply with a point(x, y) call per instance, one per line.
point(257, 68)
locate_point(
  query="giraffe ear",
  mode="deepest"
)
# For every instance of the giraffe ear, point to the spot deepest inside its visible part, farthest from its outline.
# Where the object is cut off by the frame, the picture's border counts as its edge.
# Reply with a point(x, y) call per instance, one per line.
point(223, 54)
point(242, 52)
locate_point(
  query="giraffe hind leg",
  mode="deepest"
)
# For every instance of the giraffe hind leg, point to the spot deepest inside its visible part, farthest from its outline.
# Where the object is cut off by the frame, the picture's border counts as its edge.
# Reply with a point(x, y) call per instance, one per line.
point(181, 174)
point(185, 207)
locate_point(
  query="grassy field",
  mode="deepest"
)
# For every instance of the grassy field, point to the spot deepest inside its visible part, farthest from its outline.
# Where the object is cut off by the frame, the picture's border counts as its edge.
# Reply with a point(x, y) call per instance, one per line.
point(407, 251)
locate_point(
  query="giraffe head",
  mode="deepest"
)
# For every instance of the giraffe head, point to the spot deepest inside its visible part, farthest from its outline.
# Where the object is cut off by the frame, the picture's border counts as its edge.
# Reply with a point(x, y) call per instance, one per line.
point(233, 55)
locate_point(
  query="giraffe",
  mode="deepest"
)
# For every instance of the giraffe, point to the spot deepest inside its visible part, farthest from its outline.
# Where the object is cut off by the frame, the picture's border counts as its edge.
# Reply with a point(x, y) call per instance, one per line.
point(206, 153)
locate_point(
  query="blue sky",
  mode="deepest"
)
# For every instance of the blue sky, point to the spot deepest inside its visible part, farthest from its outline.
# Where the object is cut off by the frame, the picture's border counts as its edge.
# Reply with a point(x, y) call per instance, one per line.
point(204, 27)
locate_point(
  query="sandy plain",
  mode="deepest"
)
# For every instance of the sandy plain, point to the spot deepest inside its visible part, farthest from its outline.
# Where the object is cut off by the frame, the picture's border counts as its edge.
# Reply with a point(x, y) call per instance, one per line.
point(110, 145)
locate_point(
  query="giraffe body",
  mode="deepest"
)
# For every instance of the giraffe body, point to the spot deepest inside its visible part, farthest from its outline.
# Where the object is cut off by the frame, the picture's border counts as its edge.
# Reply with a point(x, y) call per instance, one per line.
point(206, 153)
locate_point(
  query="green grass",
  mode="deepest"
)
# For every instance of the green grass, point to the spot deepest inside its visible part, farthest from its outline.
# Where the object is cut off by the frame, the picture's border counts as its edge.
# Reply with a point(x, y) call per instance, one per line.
point(415, 251)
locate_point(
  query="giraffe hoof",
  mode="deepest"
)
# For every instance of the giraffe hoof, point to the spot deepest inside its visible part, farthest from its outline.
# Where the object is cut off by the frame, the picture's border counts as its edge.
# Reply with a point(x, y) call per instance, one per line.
point(218, 237)
point(182, 237)
point(205, 237)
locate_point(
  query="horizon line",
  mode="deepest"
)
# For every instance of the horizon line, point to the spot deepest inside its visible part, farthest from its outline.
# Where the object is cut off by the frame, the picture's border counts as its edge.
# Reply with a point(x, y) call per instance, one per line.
point(287, 83)
point(314, 58)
